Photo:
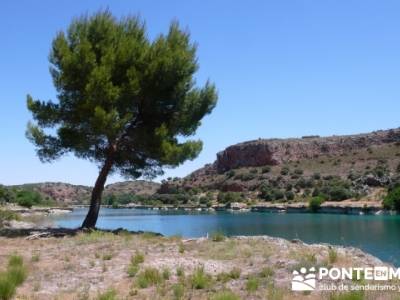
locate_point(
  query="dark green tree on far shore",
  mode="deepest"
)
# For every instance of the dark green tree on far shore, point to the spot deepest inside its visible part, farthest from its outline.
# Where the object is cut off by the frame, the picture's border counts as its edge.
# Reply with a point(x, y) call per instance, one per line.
point(124, 102)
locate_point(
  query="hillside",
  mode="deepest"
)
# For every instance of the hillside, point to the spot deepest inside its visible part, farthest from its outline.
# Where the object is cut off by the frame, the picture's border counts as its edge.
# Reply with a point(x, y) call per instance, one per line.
point(354, 167)
point(80, 194)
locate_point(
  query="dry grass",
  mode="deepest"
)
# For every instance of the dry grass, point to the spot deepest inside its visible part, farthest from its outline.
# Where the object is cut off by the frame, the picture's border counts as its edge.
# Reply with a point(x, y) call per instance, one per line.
point(245, 268)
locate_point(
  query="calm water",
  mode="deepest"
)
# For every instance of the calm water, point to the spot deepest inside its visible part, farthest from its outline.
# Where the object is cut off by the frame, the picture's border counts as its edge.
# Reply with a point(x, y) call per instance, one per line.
point(378, 235)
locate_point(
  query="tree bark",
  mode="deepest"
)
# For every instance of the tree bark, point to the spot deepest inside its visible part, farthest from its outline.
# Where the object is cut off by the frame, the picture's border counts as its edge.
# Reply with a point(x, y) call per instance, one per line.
point(95, 201)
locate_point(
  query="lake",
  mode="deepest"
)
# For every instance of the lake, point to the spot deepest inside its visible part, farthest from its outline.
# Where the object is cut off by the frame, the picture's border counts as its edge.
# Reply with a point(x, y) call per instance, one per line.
point(377, 235)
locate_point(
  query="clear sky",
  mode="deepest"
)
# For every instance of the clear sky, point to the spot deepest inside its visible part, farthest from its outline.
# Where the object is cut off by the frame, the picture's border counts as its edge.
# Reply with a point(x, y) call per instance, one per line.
point(283, 68)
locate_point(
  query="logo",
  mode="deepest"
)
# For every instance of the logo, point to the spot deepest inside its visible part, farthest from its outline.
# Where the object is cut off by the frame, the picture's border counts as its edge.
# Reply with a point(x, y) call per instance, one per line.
point(303, 280)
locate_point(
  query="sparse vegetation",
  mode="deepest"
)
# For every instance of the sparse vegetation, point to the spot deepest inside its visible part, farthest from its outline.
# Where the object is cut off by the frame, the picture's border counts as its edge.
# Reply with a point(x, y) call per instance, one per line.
point(252, 284)
point(14, 276)
point(148, 277)
point(199, 279)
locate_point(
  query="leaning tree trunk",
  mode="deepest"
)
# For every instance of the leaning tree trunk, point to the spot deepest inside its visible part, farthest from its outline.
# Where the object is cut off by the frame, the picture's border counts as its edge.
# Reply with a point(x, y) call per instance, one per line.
point(95, 201)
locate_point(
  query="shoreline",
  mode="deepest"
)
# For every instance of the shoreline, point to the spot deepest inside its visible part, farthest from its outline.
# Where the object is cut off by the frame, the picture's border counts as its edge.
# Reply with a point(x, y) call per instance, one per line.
point(329, 207)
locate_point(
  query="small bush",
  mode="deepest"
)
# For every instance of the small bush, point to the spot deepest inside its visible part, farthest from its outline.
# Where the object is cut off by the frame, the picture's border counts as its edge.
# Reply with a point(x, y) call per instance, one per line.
point(354, 295)
point(199, 279)
point(110, 294)
point(107, 256)
point(181, 248)
point(235, 273)
point(180, 272)
point(252, 284)
point(315, 203)
point(138, 258)
point(166, 273)
point(266, 272)
point(285, 171)
point(225, 295)
point(217, 236)
point(178, 291)
point(7, 215)
point(14, 276)
point(7, 287)
point(332, 255)
point(392, 200)
point(266, 169)
point(132, 270)
point(149, 277)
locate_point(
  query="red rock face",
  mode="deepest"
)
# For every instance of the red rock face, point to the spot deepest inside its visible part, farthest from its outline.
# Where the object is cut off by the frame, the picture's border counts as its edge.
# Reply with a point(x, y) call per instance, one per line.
point(276, 151)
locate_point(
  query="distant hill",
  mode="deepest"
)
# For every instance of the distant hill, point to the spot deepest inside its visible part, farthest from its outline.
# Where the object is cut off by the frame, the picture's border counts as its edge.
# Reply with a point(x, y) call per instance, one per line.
point(79, 194)
point(352, 166)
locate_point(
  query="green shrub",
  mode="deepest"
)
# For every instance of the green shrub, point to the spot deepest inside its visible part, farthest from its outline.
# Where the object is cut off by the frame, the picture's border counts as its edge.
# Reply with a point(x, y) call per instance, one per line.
point(7, 287)
point(316, 176)
point(229, 197)
point(354, 295)
point(148, 277)
point(199, 279)
point(252, 284)
point(230, 174)
point(217, 236)
point(225, 295)
point(289, 195)
point(180, 271)
point(138, 258)
point(132, 270)
point(14, 276)
point(266, 272)
point(8, 215)
point(285, 171)
point(298, 171)
point(110, 294)
point(332, 255)
point(178, 291)
point(166, 273)
point(392, 200)
point(315, 203)
point(235, 273)
point(266, 169)
point(27, 198)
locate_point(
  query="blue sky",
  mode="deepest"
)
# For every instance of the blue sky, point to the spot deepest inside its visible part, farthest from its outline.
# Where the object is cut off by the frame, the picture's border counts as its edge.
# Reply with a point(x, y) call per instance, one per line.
point(283, 68)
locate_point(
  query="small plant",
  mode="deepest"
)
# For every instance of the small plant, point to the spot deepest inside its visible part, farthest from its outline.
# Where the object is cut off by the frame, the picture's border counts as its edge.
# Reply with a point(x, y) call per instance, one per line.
point(217, 236)
point(266, 169)
point(252, 284)
point(178, 290)
point(110, 294)
point(138, 258)
point(180, 272)
point(107, 256)
point(392, 200)
point(132, 270)
point(181, 248)
point(235, 273)
point(35, 257)
point(199, 279)
point(225, 295)
point(267, 272)
point(149, 277)
point(315, 203)
point(332, 255)
point(166, 273)
point(14, 276)
point(285, 171)
point(354, 295)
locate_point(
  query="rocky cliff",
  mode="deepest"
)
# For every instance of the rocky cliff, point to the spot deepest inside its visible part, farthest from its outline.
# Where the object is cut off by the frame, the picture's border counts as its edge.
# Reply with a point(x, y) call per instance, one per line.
point(276, 151)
